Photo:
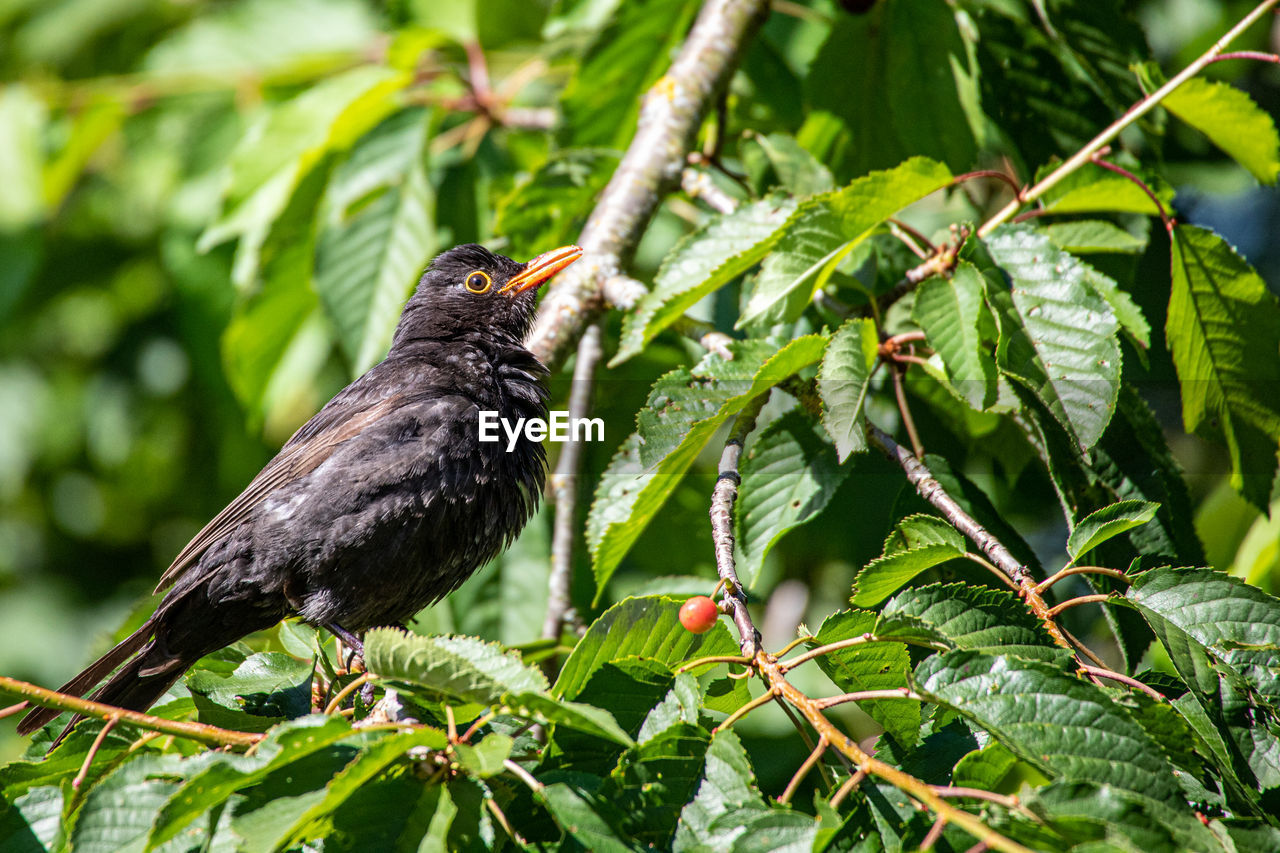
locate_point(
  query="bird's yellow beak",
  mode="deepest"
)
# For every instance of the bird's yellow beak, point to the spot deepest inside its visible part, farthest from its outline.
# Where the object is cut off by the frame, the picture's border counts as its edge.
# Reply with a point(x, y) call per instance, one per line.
point(541, 268)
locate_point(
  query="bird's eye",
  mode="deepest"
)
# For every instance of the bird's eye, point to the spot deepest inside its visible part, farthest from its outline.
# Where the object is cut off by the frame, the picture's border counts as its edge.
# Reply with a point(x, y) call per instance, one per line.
point(478, 282)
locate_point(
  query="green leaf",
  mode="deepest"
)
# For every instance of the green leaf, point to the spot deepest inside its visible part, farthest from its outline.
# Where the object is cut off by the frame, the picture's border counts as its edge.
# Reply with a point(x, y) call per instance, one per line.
point(1127, 312)
point(32, 823)
point(229, 772)
point(728, 785)
point(371, 254)
point(870, 666)
point(370, 763)
point(654, 779)
point(1093, 235)
point(548, 208)
point(978, 618)
point(679, 707)
point(604, 96)
point(1093, 189)
point(485, 758)
point(918, 542)
point(462, 668)
point(789, 473)
point(277, 339)
point(800, 173)
point(1231, 120)
point(292, 139)
point(1065, 727)
point(1224, 333)
point(646, 627)
point(682, 414)
point(23, 117)
point(892, 82)
point(575, 715)
point(721, 250)
point(1060, 339)
point(493, 23)
point(826, 228)
point(843, 383)
point(952, 314)
point(1135, 463)
point(1107, 522)
point(118, 811)
point(1084, 811)
point(578, 812)
point(1238, 622)
point(266, 684)
point(263, 38)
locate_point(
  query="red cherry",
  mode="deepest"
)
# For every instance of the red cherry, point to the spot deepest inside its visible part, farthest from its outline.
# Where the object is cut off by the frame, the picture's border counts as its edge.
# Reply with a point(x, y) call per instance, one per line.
point(698, 614)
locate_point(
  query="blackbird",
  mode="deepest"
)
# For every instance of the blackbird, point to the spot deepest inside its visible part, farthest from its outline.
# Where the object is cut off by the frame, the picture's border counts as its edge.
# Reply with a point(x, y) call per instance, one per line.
point(381, 504)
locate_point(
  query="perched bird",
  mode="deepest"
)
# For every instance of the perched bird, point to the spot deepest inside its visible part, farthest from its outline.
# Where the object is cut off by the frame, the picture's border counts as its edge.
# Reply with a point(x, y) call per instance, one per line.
point(382, 503)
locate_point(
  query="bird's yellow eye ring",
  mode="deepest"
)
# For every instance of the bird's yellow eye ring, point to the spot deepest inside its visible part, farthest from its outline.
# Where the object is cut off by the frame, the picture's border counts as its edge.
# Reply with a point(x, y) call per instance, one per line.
point(478, 281)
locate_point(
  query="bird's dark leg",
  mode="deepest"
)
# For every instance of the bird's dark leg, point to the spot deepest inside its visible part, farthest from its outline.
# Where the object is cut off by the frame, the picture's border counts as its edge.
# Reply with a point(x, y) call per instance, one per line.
point(357, 650)
point(349, 639)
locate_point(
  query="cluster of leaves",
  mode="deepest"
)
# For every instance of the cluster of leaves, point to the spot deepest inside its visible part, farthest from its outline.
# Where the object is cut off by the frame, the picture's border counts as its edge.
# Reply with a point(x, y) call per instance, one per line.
point(1034, 350)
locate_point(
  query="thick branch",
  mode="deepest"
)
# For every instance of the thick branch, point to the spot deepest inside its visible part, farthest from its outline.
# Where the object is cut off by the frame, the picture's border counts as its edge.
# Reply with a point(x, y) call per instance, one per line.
point(564, 484)
point(199, 732)
point(672, 112)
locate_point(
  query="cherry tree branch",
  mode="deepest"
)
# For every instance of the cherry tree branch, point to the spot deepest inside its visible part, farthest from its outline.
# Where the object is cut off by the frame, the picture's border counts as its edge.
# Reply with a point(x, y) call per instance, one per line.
point(199, 732)
point(564, 484)
point(670, 116)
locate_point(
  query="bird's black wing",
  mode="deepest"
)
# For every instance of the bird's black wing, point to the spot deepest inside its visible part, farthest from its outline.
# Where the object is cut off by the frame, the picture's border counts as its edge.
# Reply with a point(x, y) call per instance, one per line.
point(344, 417)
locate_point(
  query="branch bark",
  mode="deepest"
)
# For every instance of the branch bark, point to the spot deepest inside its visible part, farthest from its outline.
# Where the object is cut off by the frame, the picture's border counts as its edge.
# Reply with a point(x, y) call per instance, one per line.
point(564, 485)
point(672, 112)
point(199, 732)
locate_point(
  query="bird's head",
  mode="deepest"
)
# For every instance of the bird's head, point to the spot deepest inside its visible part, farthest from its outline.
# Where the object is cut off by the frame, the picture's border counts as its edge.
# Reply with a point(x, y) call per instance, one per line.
point(470, 288)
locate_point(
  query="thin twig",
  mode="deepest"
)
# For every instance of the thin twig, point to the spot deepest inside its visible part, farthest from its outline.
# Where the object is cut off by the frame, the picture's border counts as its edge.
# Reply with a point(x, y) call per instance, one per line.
point(564, 485)
point(850, 785)
point(933, 492)
point(1111, 675)
point(523, 775)
point(989, 173)
point(722, 499)
point(865, 695)
point(501, 817)
point(1079, 570)
point(986, 564)
point(814, 757)
point(1113, 130)
point(763, 699)
point(199, 732)
point(336, 702)
point(1081, 647)
point(14, 709)
point(1097, 160)
point(935, 832)
point(1009, 801)
point(698, 184)
point(788, 665)
point(904, 410)
point(694, 664)
point(1248, 54)
point(1078, 600)
point(93, 751)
